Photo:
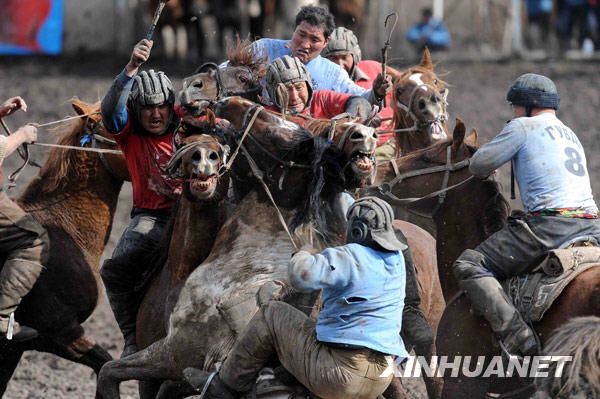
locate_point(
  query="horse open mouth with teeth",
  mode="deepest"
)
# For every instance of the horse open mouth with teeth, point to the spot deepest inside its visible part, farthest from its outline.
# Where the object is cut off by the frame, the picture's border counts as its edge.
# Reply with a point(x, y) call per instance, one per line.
point(202, 186)
point(363, 163)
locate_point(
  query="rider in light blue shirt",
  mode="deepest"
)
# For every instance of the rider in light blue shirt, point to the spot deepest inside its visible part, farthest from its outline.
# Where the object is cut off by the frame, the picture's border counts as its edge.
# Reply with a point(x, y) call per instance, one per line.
point(313, 27)
point(346, 353)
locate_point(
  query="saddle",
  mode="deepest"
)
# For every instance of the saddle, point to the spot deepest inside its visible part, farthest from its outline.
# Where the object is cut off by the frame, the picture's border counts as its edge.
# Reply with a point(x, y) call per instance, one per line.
point(534, 293)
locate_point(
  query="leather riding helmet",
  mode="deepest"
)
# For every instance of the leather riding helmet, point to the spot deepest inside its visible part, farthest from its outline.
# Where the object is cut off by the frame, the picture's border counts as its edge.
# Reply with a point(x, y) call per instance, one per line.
point(533, 91)
point(370, 222)
point(151, 88)
point(343, 40)
point(286, 70)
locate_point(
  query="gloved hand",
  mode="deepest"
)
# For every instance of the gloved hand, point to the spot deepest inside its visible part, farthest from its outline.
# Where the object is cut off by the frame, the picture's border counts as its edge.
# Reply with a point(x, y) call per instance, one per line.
point(358, 107)
point(139, 55)
point(11, 105)
point(270, 291)
point(382, 86)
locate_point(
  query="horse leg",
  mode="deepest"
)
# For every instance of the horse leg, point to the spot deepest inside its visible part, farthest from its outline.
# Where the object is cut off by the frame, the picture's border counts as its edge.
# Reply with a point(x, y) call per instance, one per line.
point(149, 389)
point(396, 390)
point(175, 389)
point(152, 363)
point(8, 363)
point(461, 334)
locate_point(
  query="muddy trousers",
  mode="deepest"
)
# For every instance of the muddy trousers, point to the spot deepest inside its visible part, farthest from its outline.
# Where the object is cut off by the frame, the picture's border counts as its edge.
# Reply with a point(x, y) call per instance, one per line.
point(130, 260)
point(280, 330)
point(25, 244)
point(512, 251)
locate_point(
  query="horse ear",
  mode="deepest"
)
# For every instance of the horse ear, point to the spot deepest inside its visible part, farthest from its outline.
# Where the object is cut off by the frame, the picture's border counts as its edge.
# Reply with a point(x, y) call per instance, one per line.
point(83, 108)
point(79, 106)
point(426, 60)
point(458, 135)
point(211, 118)
point(472, 139)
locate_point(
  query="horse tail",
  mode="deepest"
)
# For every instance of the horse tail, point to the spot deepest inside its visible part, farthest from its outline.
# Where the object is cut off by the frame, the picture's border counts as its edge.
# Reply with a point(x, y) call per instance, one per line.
point(579, 338)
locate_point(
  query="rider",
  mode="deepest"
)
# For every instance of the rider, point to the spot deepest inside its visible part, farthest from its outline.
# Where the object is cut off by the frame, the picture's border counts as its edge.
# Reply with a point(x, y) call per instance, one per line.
point(138, 109)
point(550, 168)
point(326, 104)
point(313, 27)
point(345, 353)
point(289, 75)
point(23, 240)
point(343, 49)
point(430, 32)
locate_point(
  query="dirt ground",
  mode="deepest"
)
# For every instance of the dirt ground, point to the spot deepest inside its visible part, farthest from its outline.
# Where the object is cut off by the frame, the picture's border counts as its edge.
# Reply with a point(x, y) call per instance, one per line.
point(476, 95)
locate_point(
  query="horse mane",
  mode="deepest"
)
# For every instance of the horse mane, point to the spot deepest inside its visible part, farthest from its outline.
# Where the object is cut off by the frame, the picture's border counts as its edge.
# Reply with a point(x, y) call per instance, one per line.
point(496, 209)
point(60, 163)
point(239, 53)
point(579, 338)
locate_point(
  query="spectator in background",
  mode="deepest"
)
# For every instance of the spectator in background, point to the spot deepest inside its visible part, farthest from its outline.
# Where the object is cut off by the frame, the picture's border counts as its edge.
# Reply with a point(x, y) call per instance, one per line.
point(572, 14)
point(539, 19)
point(430, 32)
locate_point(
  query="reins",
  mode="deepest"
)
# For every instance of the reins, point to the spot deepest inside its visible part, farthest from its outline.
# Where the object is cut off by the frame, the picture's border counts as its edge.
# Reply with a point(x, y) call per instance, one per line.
point(448, 167)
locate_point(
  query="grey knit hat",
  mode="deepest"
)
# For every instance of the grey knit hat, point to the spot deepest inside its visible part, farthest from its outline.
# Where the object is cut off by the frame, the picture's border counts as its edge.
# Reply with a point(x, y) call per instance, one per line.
point(533, 91)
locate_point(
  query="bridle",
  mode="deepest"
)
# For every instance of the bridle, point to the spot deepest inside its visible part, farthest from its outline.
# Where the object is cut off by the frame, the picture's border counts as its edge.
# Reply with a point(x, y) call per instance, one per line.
point(386, 188)
point(91, 135)
point(418, 124)
point(221, 91)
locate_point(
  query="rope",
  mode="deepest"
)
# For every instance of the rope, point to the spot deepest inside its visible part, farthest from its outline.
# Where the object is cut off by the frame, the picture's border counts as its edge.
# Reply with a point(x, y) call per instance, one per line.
point(66, 119)
point(70, 147)
point(235, 153)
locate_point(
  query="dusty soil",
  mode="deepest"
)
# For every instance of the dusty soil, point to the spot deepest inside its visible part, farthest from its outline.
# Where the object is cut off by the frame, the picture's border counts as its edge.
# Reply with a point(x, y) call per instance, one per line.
point(476, 96)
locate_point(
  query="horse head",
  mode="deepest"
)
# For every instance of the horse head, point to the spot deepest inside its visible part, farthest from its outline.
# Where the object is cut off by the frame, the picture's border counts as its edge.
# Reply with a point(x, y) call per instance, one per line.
point(419, 107)
point(199, 161)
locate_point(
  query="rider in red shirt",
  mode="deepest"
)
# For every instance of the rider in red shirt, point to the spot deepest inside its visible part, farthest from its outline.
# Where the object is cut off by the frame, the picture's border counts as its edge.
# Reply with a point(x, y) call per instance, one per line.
point(344, 50)
point(138, 110)
point(290, 89)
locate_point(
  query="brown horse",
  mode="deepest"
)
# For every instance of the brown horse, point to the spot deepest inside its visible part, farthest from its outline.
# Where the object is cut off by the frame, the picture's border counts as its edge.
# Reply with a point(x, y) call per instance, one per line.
point(201, 329)
point(419, 107)
point(209, 83)
point(197, 217)
point(74, 198)
point(464, 224)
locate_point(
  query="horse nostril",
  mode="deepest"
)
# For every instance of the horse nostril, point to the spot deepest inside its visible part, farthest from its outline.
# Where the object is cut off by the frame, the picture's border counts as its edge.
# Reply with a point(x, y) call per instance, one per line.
point(356, 136)
point(422, 104)
point(434, 99)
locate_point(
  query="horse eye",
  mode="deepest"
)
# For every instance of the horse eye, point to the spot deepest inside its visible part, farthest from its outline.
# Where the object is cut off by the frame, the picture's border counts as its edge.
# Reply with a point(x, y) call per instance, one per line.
point(243, 78)
point(213, 156)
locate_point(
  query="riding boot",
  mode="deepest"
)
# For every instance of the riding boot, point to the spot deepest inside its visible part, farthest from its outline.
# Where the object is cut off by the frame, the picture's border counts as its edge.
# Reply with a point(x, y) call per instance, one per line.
point(489, 299)
point(217, 389)
point(124, 303)
point(124, 307)
point(16, 280)
point(416, 331)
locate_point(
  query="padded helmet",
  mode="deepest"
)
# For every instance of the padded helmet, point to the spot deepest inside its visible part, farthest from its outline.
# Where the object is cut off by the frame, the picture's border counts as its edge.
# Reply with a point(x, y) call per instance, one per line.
point(151, 88)
point(370, 221)
point(343, 40)
point(533, 91)
point(286, 70)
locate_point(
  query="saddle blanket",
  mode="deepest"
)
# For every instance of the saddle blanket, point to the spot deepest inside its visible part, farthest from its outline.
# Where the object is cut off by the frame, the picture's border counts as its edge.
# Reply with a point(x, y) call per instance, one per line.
point(534, 293)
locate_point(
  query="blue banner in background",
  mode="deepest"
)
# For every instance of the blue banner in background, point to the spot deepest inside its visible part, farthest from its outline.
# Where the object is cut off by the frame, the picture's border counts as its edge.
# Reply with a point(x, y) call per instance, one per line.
point(31, 27)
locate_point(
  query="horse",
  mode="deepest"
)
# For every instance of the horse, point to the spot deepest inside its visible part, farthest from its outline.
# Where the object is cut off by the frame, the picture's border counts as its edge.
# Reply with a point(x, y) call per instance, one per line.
point(197, 216)
point(579, 338)
point(441, 170)
point(74, 197)
point(209, 83)
point(419, 105)
point(227, 282)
